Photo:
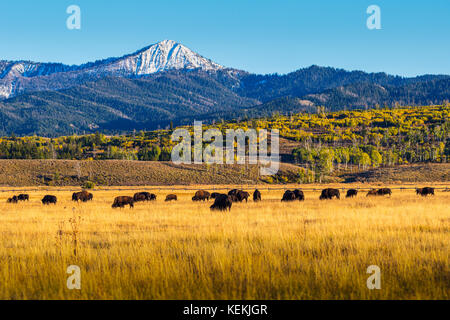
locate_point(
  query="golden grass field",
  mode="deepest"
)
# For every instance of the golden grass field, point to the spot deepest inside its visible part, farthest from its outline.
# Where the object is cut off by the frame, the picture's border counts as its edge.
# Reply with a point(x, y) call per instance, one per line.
point(267, 250)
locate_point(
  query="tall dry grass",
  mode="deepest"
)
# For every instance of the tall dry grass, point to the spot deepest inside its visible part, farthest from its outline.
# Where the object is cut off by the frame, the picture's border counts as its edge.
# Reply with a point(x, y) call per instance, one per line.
point(267, 250)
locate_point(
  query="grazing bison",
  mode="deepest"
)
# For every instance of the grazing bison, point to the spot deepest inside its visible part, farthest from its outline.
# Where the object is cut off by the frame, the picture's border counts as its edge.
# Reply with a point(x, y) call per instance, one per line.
point(299, 195)
point(171, 197)
point(14, 199)
point(425, 191)
point(144, 196)
point(48, 199)
point(328, 194)
point(82, 196)
point(222, 202)
point(351, 193)
point(201, 195)
point(242, 195)
point(384, 191)
point(372, 193)
point(256, 195)
point(121, 202)
point(239, 195)
point(23, 197)
point(288, 196)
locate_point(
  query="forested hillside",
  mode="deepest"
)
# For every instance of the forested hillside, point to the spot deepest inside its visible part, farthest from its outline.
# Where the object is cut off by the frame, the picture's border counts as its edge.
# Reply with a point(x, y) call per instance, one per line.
point(114, 105)
point(320, 143)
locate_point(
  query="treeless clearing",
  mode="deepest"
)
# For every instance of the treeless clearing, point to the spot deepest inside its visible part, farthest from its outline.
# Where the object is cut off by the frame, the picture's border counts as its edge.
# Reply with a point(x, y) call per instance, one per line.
point(266, 250)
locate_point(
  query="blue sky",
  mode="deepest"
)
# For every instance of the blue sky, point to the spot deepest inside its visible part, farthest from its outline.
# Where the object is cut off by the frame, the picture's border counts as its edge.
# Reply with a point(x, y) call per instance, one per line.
point(260, 36)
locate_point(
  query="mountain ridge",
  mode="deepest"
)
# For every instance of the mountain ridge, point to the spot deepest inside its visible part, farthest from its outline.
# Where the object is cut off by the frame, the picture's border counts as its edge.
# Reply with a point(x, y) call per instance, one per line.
point(168, 83)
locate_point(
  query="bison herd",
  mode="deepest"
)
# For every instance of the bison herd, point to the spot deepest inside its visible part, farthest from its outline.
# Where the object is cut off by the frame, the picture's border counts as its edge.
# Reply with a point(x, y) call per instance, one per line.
point(293, 195)
point(20, 197)
point(379, 192)
point(222, 202)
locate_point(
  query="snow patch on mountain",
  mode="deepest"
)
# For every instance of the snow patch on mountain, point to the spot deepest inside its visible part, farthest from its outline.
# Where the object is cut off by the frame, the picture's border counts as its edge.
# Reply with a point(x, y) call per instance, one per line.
point(18, 77)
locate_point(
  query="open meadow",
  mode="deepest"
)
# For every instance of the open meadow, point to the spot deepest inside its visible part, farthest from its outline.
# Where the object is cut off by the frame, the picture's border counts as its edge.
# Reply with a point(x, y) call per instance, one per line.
point(266, 250)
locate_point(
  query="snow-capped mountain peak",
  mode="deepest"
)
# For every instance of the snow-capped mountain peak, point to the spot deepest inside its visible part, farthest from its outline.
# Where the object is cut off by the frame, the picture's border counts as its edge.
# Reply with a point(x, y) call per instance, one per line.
point(162, 56)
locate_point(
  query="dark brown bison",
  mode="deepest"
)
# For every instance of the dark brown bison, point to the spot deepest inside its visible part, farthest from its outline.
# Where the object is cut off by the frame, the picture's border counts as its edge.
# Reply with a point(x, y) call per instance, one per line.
point(288, 196)
point(372, 193)
point(233, 192)
point(256, 195)
point(201, 195)
point(121, 202)
point(424, 192)
point(242, 195)
point(239, 195)
point(48, 199)
point(214, 195)
point(299, 195)
point(351, 193)
point(171, 197)
point(384, 191)
point(222, 202)
point(23, 197)
point(328, 194)
point(82, 196)
point(13, 199)
point(144, 196)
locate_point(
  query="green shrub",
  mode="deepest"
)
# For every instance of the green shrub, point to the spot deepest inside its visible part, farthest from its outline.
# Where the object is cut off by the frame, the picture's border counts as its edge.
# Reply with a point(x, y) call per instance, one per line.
point(89, 185)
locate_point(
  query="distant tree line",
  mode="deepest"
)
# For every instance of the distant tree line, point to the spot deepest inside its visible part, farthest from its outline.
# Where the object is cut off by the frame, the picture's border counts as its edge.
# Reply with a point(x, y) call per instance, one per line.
point(325, 141)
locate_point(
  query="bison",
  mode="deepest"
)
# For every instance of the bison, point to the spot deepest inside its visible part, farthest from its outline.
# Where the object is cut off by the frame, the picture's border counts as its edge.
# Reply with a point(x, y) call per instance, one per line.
point(351, 193)
point(82, 196)
point(48, 199)
point(201, 195)
point(14, 199)
point(384, 191)
point(288, 196)
point(328, 194)
point(242, 195)
point(121, 202)
point(144, 196)
point(256, 195)
point(214, 195)
point(239, 195)
point(299, 195)
point(222, 202)
point(372, 193)
point(23, 197)
point(171, 197)
point(424, 192)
